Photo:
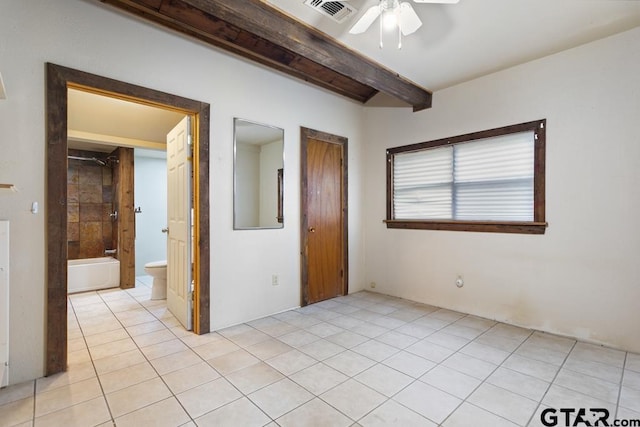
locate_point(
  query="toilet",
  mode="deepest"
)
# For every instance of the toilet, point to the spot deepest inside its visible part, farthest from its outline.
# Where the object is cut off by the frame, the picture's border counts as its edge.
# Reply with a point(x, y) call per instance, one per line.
point(158, 270)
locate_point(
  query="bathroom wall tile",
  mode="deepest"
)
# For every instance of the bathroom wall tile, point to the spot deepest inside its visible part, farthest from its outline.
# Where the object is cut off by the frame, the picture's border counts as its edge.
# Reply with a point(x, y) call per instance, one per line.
point(91, 245)
point(90, 175)
point(107, 232)
point(73, 212)
point(72, 174)
point(90, 193)
point(107, 193)
point(107, 176)
point(107, 209)
point(73, 250)
point(90, 212)
point(73, 232)
point(73, 191)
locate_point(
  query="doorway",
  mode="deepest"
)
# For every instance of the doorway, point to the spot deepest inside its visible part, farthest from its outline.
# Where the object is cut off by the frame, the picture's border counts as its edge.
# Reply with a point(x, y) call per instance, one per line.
point(324, 225)
point(59, 79)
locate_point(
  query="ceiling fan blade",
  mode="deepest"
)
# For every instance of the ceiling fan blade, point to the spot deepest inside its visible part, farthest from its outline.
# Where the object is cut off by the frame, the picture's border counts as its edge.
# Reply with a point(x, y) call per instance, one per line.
point(366, 20)
point(437, 1)
point(409, 20)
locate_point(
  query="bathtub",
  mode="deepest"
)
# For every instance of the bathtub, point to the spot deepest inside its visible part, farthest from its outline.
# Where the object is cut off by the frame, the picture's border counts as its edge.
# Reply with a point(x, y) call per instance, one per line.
point(92, 273)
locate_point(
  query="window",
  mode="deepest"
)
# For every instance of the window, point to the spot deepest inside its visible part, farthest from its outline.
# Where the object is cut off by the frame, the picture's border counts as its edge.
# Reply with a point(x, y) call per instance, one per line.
point(484, 181)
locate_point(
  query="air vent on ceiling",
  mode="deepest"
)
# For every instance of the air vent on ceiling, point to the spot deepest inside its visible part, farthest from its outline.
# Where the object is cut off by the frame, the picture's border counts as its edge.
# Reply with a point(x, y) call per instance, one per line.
point(336, 10)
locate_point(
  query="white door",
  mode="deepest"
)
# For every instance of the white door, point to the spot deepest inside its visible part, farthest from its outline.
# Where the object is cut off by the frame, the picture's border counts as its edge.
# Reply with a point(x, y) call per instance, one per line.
point(4, 303)
point(179, 215)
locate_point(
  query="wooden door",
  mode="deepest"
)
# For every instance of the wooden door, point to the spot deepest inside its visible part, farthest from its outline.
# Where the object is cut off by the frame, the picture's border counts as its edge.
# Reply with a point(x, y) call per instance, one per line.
point(179, 300)
point(324, 216)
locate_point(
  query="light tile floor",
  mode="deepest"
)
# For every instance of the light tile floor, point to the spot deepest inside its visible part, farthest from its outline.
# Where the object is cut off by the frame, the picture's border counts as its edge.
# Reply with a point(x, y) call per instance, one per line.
point(361, 360)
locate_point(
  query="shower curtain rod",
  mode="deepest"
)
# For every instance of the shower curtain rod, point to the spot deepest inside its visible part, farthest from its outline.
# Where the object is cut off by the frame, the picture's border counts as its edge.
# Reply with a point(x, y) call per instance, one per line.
point(90, 159)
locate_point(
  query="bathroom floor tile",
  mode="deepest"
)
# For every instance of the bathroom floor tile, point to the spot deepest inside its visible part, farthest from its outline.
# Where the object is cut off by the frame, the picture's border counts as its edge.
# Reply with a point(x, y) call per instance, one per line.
point(18, 411)
point(155, 351)
point(291, 362)
point(314, 413)
point(375, 350)
point(453, 382)
point(16, 392)
point(269, 348)
point(238, 413)
point(233, 361)
point(118, 361)
point(349, 363)
point(137, 396)
point(190, 377)
point(91, 412)
point(215, 349)
point(397, 340)
point(207, 397)
point(254, 377)
point(428, 401)
point(410, 364)
point(155, 337)
point(391, 413)
point(384, 379)
point(165, 413)
point(63, 397)
point(513, 407)
point(524, 385)
point(321, 349)
point(319, 378)
point(471, 415)
point(123, 378)
point(175, 361)
point(341, 398)
point(360, 360)
point(279, 398)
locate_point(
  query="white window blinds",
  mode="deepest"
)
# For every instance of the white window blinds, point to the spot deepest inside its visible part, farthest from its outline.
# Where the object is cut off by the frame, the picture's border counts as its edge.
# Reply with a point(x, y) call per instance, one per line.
point(487, 180)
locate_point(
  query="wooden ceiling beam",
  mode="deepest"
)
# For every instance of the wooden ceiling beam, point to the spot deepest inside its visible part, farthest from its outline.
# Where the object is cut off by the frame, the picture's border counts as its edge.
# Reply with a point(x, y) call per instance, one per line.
point(262, 33)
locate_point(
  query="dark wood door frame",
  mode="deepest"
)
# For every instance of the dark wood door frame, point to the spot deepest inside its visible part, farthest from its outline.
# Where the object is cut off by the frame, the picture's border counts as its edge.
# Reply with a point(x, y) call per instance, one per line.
point(59, 79)
point(305, 135)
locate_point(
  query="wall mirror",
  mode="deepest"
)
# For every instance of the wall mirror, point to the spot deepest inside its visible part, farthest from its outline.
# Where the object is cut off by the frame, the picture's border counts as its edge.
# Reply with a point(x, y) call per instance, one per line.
point(258, 179)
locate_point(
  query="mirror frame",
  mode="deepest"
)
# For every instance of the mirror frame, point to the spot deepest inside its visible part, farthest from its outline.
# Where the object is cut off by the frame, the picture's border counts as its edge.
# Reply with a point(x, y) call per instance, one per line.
point(279, 177)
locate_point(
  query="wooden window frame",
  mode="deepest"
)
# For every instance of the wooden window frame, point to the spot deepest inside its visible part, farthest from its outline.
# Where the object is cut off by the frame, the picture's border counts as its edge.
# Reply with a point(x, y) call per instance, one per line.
point(537, 226)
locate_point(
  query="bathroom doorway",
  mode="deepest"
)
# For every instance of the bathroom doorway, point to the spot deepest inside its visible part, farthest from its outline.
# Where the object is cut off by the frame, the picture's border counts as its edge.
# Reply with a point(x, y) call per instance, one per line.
point(59, 80)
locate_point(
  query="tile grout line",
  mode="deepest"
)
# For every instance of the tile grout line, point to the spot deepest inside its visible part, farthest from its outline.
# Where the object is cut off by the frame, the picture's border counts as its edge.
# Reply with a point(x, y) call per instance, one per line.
point(624, 367)
point(553, 380)
point(104, 396)
point(484, 380)
point(191, 418)
point(145, 357)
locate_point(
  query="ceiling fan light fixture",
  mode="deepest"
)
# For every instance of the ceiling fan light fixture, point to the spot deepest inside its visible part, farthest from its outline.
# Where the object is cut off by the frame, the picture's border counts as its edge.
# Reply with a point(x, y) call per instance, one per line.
point(390, 19)
point(393, 15)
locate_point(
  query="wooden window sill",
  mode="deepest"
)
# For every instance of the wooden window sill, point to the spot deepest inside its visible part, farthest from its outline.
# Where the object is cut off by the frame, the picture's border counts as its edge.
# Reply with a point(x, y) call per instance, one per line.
point(478, 226)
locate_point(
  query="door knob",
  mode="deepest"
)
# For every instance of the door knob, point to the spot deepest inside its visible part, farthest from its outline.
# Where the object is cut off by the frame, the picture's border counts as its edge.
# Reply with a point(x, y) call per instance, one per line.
point(165, 230)
point(312, 230)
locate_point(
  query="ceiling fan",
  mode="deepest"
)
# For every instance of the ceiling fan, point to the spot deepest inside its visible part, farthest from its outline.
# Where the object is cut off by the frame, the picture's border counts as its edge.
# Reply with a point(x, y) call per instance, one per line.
point(393, 13)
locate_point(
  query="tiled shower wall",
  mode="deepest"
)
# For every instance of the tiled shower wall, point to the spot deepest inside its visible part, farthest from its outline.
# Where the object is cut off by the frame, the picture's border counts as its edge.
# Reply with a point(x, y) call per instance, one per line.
point(89, 202)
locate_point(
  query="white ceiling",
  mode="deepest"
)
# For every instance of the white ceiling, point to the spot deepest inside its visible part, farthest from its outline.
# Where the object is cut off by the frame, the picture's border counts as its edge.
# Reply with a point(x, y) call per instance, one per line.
point(456, 43)
point(459, 42)
point(99, 118)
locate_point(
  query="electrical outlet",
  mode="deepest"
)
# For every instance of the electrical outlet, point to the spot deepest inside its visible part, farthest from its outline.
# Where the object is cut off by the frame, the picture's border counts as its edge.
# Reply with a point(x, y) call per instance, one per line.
point(275, 281)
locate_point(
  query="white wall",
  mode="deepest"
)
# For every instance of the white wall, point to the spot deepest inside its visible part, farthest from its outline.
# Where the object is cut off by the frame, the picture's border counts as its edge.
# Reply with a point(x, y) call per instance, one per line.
point(581, 277)
point(150, 195)
point(247, 192)
point(93, 37)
